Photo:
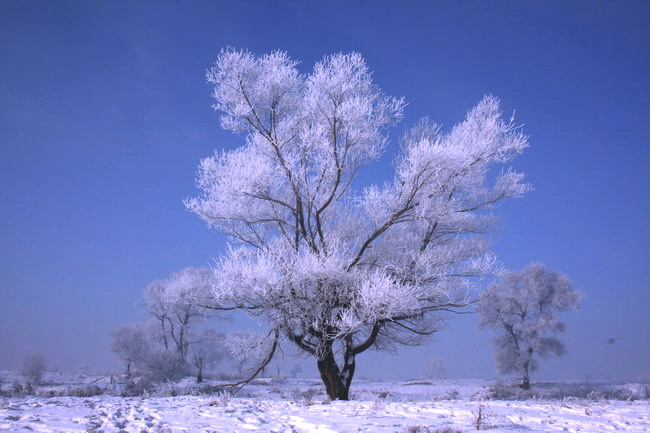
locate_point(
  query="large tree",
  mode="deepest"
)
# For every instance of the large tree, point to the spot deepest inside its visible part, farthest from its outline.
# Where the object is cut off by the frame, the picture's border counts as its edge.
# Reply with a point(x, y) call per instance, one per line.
point(522, 308)
point(333, 270)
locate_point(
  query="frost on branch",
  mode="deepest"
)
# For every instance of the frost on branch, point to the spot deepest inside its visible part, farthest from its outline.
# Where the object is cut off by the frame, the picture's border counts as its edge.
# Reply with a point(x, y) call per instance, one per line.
point(334, 270)
point(248, 346)
point(187, 286)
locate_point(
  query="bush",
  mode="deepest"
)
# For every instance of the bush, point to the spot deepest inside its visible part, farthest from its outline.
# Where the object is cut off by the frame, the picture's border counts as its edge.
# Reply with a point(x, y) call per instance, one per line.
point(452, 395)
point(164, 366)
point(418, 429)
point(482, 418)
point(303, 398)
point(33, 368)
point(221, 399)
point(136, 386)
point(85, 391)
point(425, 429)
point(17, 389)
point(502, 391)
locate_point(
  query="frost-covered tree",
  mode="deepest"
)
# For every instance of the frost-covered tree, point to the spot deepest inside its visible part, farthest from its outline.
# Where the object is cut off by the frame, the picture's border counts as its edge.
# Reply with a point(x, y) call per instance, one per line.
point(177, 339)
point(131, 344)
point(171, 304)
point(333, 270)
point(33, 368)
point(434, 368)
point(522, 307)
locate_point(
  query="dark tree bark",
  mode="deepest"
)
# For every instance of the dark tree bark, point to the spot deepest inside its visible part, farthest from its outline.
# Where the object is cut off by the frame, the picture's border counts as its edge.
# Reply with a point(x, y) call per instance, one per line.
point(337, 385)
point(526, 380)
point(199, 375)
point(337, 380)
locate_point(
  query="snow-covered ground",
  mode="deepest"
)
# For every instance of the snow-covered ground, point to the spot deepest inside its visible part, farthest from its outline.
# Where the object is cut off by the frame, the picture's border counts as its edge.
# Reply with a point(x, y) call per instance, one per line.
point(300, 406)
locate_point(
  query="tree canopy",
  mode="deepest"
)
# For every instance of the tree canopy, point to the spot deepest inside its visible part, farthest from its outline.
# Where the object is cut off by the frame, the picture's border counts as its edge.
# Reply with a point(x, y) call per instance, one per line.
point(333, 269)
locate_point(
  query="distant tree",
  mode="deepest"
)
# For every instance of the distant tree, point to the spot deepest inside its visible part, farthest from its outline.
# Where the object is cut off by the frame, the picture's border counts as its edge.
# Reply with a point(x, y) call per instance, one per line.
point(159, 309)
point(175, 340)
point(206, 351)
point(171, 303)
point(522, 308)
point(131, 344)
point(435, 368)
point(33, 368)
point(295, 371)
point(331, 270)
point(162, 365)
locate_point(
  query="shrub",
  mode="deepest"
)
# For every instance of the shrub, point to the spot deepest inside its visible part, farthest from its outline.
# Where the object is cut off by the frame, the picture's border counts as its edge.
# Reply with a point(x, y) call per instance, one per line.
point(17, 389)
point(221, 399)
point(33, 368)
point(425, 429)
point(85, 391)
point(482, 418)
point(164, 366)
point(136, 386)
point(303, 398)
point(452, 395)
point(502, 391)
point(418, 429)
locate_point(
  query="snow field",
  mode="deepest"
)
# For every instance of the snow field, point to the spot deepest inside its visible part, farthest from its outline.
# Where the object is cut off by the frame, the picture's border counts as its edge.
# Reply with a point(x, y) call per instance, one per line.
point(215, 415)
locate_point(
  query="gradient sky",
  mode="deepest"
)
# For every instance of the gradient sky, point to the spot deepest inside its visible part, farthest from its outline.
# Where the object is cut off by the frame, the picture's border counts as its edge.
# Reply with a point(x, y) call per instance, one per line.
point(105, 113)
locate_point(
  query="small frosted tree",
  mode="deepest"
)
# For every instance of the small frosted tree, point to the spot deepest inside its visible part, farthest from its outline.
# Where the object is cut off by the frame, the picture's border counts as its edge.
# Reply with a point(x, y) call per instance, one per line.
point(522, 308)
point(33, 368)
point(131, 344)
point(333, 270)
point(171, 303)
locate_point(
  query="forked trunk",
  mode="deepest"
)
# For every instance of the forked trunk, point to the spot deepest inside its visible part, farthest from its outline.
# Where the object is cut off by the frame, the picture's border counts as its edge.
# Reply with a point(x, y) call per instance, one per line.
point(337, 382)
point(334, 385)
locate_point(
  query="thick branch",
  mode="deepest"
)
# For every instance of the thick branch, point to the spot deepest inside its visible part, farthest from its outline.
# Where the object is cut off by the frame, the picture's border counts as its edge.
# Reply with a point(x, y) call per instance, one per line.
point(369, 341)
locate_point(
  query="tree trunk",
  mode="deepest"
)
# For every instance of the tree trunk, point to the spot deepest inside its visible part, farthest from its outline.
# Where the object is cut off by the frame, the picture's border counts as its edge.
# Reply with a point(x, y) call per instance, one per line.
point(198, 361)
point(337, 383)
point(331, 376)
point(526, 382)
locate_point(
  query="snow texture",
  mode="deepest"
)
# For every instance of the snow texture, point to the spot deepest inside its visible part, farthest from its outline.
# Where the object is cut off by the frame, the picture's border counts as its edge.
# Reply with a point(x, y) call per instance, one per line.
point(301, 406)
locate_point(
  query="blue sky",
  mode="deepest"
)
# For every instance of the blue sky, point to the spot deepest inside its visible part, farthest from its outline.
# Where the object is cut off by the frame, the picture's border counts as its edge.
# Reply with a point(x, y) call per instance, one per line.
point(105, 113)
